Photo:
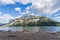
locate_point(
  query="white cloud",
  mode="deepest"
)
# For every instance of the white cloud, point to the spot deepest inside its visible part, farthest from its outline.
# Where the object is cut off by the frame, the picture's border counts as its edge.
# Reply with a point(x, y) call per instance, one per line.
point(58, 17)
point(51, 11)
point(5, 18)
point(41, 6)
point(32, 14)
point(28, 8)
point(56, 10)
point(26, 12)
point(13, 1)
point(57, 14)
point(45, 6)
point(18, 9)
point(7, 2)
point(23, 1)
point(0, 13)
point(19, 16)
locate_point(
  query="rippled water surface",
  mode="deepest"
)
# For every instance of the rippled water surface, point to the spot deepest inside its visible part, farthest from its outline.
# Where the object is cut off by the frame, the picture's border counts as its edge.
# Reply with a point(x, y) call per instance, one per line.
point(31, 29)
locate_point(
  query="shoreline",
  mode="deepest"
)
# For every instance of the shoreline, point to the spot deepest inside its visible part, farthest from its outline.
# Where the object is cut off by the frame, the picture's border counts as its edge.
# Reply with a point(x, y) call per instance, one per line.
point(29, 36)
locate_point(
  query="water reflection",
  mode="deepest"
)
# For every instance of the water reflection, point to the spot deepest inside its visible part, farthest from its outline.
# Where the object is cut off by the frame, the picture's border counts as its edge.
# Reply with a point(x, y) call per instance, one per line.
point(31, 29)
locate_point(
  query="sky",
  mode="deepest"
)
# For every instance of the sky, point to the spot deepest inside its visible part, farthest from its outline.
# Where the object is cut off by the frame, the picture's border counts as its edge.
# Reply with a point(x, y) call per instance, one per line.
point(11, 9)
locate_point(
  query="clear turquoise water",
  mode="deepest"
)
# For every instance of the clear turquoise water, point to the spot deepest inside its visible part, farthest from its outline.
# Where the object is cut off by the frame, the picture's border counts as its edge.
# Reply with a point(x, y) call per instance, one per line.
point(31, 29)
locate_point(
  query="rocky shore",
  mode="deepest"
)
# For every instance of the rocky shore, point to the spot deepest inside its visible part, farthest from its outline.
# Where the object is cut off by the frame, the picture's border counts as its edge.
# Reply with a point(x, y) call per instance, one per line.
point(29, 36)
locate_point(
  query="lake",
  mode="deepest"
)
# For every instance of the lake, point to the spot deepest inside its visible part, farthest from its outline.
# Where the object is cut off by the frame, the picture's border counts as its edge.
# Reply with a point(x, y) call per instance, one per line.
point(31, 29)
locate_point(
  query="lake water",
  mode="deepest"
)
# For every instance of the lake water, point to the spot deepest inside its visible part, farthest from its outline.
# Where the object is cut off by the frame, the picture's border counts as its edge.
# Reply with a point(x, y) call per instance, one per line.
point(31, 29)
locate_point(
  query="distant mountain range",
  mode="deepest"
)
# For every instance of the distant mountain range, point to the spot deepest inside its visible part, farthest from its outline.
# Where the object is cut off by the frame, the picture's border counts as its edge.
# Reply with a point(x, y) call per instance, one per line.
point(32, 20)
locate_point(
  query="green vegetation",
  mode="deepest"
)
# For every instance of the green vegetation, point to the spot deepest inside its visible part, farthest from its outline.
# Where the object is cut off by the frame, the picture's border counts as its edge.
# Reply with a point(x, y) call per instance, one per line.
point(58, 23)
point(43, 21)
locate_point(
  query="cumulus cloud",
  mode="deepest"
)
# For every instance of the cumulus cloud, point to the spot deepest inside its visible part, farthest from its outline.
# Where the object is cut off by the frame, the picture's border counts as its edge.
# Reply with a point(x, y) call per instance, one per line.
point(28, 8)
point(13, 1)
point(5, 18)
point(45, 6)
point(23, 1)
point(41, 6)
point(7, 2)
point(18, 9)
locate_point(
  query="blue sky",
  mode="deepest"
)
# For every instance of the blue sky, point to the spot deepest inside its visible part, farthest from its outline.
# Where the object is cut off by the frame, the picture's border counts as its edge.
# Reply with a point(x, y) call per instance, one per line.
point(10, 9)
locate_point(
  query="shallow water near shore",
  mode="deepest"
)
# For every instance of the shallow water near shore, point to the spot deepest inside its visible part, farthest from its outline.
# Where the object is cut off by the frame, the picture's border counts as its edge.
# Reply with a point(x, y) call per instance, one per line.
point(31, 29)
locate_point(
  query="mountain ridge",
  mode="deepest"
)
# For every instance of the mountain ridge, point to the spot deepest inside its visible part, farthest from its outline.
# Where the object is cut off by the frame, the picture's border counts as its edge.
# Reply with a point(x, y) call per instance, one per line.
point(32, 20)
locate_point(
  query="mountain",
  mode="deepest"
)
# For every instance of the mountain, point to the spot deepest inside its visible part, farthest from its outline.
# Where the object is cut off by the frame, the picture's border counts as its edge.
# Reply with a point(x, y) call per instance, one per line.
point(32, 20)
